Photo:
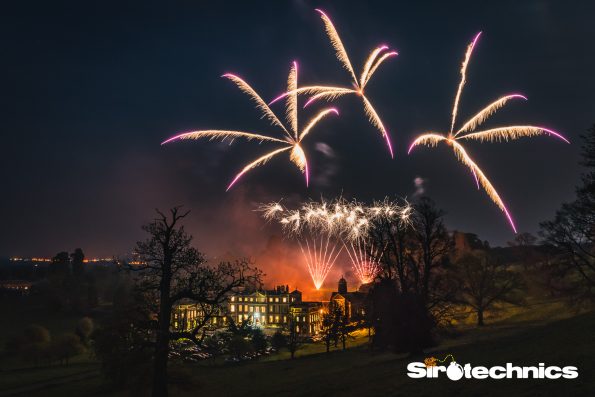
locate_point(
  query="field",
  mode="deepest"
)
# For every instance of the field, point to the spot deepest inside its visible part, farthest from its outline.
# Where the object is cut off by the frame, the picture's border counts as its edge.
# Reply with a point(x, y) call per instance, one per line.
point(549, 335)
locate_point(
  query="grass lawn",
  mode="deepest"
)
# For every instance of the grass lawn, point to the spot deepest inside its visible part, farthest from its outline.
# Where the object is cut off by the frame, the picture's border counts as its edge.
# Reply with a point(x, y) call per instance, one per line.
point(360, 372)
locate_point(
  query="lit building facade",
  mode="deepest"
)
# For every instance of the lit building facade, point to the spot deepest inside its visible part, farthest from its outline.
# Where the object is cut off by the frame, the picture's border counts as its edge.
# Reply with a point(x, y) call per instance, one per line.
point(352, 304)
point(187, 315)
point(270, 309)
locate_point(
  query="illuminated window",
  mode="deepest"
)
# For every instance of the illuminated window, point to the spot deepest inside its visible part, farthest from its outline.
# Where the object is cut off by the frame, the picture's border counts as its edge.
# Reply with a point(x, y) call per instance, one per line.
point(270, 299)
point(270, 319)
point(233, 308)
point(263, 309)
point(276, 299)
point(240, 308)
point(233, 298)
point(293, 299)
point(276, 319)
point(240, 299)
point(251, 309)
point(257, 309)
point(284, 319)
point(284, 300)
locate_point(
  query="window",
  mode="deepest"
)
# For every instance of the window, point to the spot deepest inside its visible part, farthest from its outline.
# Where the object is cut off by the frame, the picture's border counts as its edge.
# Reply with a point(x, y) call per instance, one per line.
point(251, 309)
point(240, 299)
point(263, 309)
point(284, 300)
point(293, 299)
point(284, 319)
point(270, 319)
point(276, 319)
point(270, 299)
point(239, 308)
point(232, 308)
point(233, 298)
point(276, 299)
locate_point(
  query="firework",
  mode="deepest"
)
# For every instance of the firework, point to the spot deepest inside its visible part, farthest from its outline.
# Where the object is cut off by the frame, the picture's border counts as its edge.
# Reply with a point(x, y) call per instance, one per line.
point(292, 136)
point(364, 259)
point(347, 220)
point(320, 254)
point(320, 226)
point(375, 59)
point(468, 131)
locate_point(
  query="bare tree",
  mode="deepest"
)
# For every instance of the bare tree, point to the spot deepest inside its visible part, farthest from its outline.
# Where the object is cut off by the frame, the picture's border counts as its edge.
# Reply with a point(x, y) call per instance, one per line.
point(433, 246)
point(415, 260)
point(483, 282)
point(571, 234)
point(394, 238)
point(413, 251)
point(172, 270)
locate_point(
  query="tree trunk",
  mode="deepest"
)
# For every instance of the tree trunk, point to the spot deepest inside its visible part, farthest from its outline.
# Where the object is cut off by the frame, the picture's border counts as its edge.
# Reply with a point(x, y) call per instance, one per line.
point(162, 342)
point(480, 322)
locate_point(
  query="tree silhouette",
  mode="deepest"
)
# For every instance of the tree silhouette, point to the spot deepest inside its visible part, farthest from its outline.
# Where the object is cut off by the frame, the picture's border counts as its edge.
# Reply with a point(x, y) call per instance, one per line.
point(76, 260)
point(571, 235)
point(483, 282)
point(172, 270)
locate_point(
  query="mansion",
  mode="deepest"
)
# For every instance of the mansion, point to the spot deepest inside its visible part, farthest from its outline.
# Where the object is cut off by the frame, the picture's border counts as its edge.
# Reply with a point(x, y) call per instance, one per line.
point(272, 309)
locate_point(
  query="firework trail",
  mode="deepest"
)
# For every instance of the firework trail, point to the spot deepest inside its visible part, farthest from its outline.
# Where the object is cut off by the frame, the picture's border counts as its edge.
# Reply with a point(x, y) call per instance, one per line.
point(375, 59)
point(320, 254)
point(364, 259)
point(468, 132)
point(292, 136)
point(319, 225)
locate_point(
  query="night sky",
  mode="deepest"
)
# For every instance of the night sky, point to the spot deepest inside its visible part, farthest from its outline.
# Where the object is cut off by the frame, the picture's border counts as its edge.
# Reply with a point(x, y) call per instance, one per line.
point(88, 91)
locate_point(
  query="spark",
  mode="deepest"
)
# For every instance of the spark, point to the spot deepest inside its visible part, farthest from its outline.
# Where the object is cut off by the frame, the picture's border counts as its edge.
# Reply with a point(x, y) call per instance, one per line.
point(346, 220)
point(319, 226)
point(468, 131)
point(330, 93)
point(364, 259)
point(292, 136)
point(320, 254)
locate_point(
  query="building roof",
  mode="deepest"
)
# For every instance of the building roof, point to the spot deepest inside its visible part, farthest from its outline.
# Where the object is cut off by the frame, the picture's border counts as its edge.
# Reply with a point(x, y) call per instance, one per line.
point(355, 296)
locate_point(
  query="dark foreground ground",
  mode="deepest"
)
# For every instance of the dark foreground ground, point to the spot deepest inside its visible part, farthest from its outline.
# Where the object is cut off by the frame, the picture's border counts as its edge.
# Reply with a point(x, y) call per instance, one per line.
point(357, 371)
